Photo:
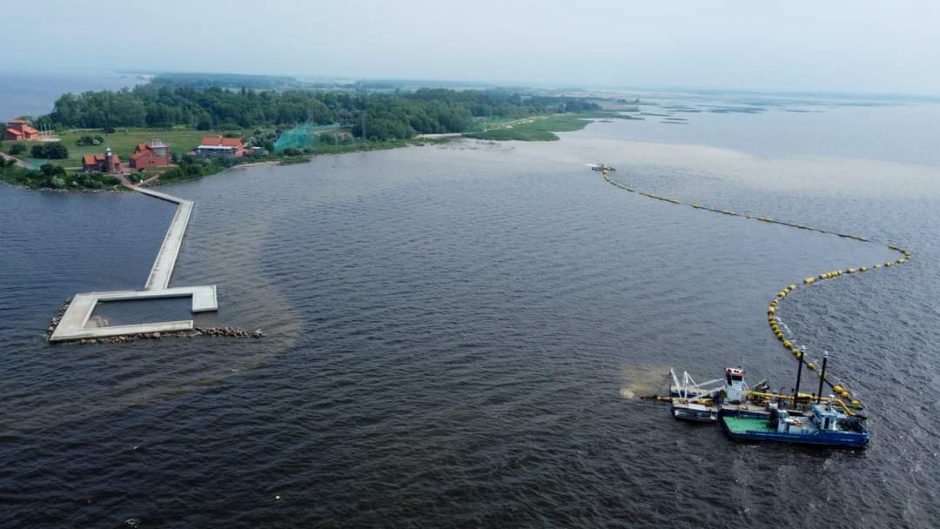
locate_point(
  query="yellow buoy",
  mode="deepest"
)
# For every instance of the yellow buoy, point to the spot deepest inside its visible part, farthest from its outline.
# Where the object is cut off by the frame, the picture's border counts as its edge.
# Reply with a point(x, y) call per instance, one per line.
point(787, 343)
point(857, 403)
point(811, 366)
point(837, 389)
point(771, 310)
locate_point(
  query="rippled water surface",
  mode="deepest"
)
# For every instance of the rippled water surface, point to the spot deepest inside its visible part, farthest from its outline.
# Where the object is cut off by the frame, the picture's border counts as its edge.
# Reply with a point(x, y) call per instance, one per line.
point(453, 330)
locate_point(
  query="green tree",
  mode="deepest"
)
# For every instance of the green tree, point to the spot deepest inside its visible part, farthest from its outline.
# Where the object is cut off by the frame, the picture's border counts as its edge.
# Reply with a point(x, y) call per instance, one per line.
point(50, 151)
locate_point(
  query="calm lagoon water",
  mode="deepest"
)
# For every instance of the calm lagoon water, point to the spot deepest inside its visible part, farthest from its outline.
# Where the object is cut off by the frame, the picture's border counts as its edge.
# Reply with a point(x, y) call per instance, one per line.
point(451, 330)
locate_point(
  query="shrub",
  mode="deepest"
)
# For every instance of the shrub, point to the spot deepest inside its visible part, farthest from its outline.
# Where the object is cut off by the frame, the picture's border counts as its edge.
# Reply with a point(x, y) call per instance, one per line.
point(89, 140)
point(50, 151)
point(17, 148)
point(48, 169)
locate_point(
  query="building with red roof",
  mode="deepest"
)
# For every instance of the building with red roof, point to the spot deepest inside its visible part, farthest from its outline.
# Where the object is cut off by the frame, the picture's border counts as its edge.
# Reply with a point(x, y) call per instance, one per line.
point(101, 163)
point(153, 154)
point(18, 130)
point(221, 147)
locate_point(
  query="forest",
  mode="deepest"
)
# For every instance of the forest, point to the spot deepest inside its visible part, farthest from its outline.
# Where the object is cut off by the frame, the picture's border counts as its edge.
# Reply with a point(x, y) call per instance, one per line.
point(375, 116)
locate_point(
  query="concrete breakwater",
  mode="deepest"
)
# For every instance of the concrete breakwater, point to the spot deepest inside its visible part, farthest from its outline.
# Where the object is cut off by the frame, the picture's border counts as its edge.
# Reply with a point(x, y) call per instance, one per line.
point(71, 324)
point(228, 331)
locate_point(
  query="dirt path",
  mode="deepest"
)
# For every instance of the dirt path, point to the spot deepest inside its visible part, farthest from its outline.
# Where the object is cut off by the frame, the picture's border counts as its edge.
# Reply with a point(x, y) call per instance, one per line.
point(18, 162)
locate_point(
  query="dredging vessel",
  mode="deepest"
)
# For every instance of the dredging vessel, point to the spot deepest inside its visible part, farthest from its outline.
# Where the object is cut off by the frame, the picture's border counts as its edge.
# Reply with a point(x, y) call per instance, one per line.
point(756, 414)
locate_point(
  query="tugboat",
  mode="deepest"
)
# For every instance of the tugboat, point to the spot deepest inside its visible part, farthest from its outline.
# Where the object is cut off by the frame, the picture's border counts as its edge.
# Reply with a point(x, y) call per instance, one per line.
point(822, 425)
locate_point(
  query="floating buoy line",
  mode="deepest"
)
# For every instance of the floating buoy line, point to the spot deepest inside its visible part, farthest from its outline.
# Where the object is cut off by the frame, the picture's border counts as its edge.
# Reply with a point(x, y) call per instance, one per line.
point(782, 332)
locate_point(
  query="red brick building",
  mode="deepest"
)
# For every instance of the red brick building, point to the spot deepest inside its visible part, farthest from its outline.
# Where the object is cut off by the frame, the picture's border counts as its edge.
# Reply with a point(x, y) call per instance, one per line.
point(18, 130)
point(222, 147)
point(101, 163)
point(153, 154)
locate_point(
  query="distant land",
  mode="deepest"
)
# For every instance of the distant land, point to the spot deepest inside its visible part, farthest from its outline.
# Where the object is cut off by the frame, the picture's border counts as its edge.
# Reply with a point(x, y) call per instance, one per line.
point(269, 118)
point(287, 119)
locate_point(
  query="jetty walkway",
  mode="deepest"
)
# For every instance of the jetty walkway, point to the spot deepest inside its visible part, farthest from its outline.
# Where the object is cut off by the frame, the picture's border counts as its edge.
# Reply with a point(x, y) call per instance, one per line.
point(73, 324)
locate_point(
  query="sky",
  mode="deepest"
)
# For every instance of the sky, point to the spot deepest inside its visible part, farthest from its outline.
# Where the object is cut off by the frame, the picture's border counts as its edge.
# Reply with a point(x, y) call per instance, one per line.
point(854, 46)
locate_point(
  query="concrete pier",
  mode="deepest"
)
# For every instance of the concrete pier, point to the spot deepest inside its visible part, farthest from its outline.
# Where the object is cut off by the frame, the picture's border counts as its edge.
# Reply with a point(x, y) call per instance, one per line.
point(163, 266)
point(73, 325)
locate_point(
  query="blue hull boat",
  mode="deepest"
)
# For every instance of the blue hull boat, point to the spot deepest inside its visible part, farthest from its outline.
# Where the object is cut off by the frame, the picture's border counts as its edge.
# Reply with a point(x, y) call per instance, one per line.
point(822, 426)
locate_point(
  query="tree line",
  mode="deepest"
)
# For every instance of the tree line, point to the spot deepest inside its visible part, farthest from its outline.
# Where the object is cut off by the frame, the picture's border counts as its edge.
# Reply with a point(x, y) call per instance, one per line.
point(376, 116)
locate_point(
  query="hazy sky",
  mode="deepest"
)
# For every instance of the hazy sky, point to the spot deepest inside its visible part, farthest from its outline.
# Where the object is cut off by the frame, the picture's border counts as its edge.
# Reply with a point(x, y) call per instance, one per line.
point(818, 45)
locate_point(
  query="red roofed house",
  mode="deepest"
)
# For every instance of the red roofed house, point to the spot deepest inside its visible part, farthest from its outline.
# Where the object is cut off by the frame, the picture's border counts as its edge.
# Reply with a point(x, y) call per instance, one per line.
point(18, 129)
point(219, 146)
point(153, 154)
point(101, 163)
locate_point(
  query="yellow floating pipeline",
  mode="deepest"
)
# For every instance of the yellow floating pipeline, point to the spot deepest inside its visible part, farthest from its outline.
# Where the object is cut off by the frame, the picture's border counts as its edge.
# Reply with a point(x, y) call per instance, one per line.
point(772, 318)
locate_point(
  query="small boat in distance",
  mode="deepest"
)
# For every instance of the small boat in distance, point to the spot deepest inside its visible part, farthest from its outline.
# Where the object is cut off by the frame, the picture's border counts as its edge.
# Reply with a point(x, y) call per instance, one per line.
point(600, 167)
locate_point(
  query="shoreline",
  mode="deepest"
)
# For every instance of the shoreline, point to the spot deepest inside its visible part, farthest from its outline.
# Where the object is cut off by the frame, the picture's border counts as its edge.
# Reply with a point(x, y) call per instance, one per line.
point(280, 160)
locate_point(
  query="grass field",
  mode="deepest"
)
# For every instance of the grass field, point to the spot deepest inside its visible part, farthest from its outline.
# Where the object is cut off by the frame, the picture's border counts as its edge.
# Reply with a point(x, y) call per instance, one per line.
point(541, 128)
point(121, 142)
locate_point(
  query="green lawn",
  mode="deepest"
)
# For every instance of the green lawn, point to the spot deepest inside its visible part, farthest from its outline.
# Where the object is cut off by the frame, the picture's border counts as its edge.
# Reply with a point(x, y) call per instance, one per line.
point(122, 142)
